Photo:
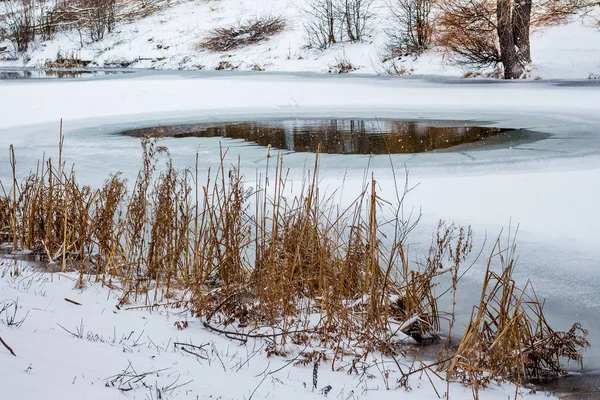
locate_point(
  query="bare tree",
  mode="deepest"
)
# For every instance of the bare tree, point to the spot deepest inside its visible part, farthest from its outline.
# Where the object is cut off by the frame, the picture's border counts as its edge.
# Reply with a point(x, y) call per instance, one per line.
point(411, 29)
point(330, 21)
point(46, 22)
point(19, 23)
point(94, 17)
point(357, 16)
point(521, 25)
point(491, 32)
point(101, 17)
point(320, 23)
point(22, 21)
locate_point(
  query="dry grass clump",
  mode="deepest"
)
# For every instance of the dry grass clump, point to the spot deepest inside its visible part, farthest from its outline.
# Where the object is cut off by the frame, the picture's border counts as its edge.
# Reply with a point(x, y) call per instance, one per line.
point(248, 257)
point(508, 338)
point(51, 212)
point(160, 235)
point(5, 219)
point(253, 32)
point(323, 276)
point(341, 66)
point(70, 60)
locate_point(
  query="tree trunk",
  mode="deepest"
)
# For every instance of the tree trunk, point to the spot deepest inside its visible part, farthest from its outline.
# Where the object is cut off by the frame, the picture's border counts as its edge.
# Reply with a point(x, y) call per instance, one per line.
point(349, 25)
point(521, 22)
point(330, 22)
point(508, 51)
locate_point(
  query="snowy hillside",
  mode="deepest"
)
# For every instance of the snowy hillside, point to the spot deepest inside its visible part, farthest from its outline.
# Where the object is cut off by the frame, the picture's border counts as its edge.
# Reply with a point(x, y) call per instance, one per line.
point(168, 39)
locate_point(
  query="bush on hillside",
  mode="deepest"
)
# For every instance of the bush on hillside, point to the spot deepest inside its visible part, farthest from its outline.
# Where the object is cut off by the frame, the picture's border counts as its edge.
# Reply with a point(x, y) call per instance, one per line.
point(253, 32)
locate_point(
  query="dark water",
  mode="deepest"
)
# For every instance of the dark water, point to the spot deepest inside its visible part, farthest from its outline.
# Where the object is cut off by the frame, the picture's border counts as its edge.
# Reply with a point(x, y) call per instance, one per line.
point(345, 136)
point(7, 255)
point(55, 73)
point(585, 386)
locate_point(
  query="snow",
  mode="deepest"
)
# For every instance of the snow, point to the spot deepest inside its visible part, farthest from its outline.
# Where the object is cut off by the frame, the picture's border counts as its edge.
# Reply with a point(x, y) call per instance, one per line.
point(556, 56)
point(203, 94)
point(549, 187)
point(52, 363)
point(168, 40)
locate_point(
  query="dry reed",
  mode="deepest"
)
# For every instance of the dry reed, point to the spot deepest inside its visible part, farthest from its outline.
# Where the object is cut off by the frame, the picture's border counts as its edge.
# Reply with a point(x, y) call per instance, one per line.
point(508, 337)
point(294, 270)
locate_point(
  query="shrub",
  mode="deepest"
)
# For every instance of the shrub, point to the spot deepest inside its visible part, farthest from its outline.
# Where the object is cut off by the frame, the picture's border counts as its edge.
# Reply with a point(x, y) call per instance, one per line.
point(225, 39)
point(95, 18)
point(468, 31)
point(341, 66)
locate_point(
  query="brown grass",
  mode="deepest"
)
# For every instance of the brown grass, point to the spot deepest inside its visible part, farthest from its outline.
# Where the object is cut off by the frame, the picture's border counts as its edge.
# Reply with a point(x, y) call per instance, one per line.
point(341, 66)
point(246, 256)
point(508, 338)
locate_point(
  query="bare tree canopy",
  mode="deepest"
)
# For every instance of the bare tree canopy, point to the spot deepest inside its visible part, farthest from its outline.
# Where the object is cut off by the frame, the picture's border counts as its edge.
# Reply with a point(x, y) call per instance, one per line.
point(483, 33)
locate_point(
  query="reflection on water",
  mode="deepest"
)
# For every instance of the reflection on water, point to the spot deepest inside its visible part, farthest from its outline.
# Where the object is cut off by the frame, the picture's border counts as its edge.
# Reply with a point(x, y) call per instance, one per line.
point(337, 136)
point(55, 73)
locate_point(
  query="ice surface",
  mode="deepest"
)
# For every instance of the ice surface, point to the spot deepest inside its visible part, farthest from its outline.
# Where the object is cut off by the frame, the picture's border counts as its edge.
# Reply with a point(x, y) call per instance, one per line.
point(551, 187)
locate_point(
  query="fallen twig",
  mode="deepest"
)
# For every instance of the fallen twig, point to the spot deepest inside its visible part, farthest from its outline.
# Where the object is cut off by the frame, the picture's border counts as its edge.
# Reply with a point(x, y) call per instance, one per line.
point(175, 304)
point(78, 335)
point(190, 345)
point(243, 337)
point(7, 347)
point(195, 354)
point(72, 302)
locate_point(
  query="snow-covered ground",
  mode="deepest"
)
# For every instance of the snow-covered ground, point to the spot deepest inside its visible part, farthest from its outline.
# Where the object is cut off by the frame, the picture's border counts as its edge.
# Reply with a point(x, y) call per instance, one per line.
point(169, 38)
point(550, 187)
point(69, 351)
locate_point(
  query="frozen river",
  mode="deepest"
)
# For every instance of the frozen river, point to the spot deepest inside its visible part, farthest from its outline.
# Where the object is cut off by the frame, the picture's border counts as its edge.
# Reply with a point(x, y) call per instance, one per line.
point(549, 186)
